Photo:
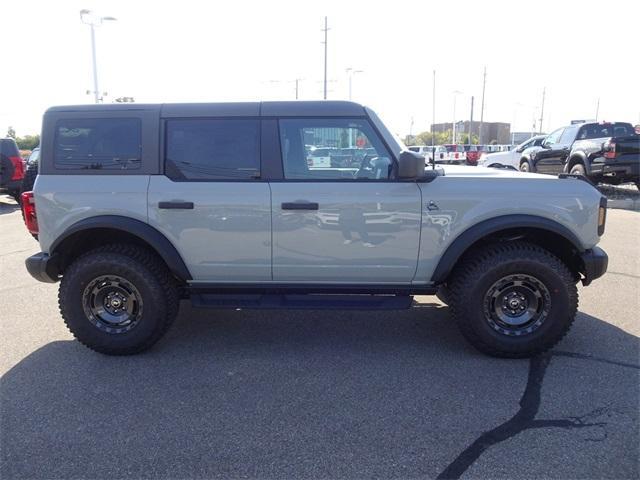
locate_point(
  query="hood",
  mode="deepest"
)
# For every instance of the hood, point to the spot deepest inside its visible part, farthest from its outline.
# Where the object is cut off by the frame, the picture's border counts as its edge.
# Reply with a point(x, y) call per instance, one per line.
point(485, 172)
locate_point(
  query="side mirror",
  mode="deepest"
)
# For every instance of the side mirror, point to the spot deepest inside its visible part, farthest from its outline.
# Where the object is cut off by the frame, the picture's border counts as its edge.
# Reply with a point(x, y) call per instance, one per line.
point(520, 149)
point(410, 165)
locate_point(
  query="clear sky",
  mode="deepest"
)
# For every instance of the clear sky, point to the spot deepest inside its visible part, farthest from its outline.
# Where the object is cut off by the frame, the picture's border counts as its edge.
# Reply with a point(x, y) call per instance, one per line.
point(200, 51)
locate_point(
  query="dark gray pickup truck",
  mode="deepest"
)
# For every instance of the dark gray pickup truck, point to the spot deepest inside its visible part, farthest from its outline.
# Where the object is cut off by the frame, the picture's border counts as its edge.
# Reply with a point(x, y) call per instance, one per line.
point(604, 152)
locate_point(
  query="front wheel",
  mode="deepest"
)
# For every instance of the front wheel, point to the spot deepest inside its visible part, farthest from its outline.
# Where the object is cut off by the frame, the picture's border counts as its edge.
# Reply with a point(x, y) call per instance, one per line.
point(513, 299)
point(118, 299)
point(525, 166)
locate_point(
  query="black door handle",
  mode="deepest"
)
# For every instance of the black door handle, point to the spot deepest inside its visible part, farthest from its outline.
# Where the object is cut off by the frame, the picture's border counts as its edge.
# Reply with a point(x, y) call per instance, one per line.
point(176, 205)
point(299, 206)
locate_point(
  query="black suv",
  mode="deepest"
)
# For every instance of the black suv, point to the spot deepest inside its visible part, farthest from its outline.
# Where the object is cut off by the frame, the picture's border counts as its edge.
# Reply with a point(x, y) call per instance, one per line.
point(11, 168)
point(604, 152)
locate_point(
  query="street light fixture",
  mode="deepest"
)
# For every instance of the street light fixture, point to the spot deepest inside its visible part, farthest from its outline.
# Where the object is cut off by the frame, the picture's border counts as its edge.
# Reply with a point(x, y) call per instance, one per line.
point(453, 124)
point(351, 72)
point(90, 18)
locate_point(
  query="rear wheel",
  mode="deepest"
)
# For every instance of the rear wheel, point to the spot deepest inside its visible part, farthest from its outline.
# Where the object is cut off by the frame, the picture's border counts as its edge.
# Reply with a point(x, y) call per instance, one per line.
point(513, 300)
point(578, 169)
point(118, 299)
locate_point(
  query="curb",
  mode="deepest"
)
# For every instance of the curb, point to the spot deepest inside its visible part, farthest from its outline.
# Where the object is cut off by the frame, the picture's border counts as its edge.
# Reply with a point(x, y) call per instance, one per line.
point(624, 203)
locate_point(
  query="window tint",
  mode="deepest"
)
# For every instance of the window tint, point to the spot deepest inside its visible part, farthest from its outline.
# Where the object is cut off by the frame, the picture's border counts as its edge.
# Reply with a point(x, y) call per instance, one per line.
point(213, 149)
point(569, 135)
point(553, 137)
point(337, 149)
point(98, 144)
point(604, 130)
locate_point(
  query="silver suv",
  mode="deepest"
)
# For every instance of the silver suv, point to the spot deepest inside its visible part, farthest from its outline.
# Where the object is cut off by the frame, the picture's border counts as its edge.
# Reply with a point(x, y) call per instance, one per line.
point(139, 206)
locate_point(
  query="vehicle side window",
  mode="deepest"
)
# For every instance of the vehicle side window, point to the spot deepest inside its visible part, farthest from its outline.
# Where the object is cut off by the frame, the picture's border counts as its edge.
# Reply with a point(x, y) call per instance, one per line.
point(569, 135)
point(537, 142)
point(553, 137)
point(98, 144)
point(336, 149)
point(212, 149)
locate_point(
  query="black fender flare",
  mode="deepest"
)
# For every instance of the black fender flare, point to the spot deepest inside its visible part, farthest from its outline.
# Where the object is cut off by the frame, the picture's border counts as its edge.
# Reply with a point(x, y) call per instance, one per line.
point(142, 230)
point(581, 158)
point(480, 230)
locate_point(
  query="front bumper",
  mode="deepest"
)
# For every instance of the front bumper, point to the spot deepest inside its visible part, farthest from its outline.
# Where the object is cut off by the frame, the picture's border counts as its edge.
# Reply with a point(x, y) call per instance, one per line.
point(594, 262)
point(43, 267)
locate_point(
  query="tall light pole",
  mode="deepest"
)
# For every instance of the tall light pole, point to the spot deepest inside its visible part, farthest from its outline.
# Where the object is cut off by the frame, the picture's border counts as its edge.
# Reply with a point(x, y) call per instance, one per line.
point(484, 84)
point(433, 112)
point(351, 72)
point(90, 18)
point(453, 124)
point(325, 30)
point(544, 91)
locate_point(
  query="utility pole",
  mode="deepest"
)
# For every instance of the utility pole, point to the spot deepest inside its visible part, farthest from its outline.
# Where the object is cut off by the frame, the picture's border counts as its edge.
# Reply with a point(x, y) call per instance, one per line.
point(325, 30)
point(433, 111)
point(297, 80)
point(484, 83)
point(597, 108)
point(544, 91)
point(471, 122)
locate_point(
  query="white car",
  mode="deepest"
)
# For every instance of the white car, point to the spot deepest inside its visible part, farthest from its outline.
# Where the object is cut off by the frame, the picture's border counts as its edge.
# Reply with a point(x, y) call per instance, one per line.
point(320, 157)
point(512, 157)
point(427, 152)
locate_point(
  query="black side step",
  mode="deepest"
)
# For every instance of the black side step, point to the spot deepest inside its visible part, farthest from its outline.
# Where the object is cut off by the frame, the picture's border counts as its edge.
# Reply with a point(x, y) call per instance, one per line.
point(302, 301)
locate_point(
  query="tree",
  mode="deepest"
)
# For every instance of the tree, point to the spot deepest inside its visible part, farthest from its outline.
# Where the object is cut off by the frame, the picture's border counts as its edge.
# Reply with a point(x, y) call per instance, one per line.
point(464, 139)
point(11, 133)
point(28, 142)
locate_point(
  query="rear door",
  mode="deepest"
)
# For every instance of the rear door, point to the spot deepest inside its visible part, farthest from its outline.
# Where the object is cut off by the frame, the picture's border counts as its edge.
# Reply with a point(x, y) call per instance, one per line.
point(211, 202)
point(342, 225)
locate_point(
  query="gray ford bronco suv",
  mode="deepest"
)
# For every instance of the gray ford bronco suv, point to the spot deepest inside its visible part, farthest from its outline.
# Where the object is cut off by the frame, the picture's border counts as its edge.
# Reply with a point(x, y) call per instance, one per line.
point(139, 206)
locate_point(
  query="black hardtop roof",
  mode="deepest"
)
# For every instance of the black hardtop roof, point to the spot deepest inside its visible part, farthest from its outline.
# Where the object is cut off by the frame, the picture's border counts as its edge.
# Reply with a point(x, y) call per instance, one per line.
point(320, 108)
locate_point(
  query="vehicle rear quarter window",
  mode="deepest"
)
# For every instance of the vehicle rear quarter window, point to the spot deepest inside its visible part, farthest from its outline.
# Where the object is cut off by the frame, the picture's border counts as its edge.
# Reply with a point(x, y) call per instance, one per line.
point(605, 130)
point(568, 135)
point(98, 144)
point(212, 149)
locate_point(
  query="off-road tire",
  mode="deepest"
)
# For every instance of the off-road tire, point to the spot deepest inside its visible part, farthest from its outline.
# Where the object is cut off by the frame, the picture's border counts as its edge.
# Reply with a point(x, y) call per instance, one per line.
point(578, 169)
point(525, 166)
point(443, 294)
point(477, 273)
point(146, 272)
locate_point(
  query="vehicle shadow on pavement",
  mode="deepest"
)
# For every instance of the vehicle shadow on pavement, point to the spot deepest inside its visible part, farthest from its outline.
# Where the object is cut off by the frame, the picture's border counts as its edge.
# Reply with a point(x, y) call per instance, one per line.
point(309, 394)
point(7, 205)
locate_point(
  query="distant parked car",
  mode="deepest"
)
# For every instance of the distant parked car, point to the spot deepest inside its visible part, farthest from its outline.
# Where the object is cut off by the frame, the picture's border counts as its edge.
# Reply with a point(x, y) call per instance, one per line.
point(512, 157)
point(473, 154)
point(31, 171)
point(11, 168)
point(320, 157)
point(429, 152)
point(456, 155)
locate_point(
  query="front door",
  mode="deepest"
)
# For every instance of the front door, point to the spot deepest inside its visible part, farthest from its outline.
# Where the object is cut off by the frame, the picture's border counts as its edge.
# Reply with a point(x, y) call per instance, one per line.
point(549, 158)
point(211, 203)
point(350, 222)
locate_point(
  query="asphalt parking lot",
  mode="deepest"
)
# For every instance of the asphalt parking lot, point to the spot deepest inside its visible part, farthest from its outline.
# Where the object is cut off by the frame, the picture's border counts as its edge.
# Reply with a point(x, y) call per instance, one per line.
point(286, 394)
